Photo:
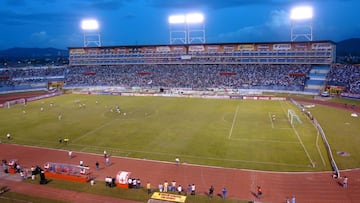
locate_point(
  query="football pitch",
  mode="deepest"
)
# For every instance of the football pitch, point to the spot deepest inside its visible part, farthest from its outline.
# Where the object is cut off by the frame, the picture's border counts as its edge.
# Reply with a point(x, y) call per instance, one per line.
point(217, 132)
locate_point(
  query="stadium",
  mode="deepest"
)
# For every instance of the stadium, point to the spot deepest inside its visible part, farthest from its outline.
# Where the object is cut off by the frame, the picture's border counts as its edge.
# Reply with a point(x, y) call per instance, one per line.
point(237, 115)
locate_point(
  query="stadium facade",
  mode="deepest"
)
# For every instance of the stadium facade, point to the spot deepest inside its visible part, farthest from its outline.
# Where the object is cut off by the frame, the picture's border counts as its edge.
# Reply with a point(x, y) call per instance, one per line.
point(309, 52)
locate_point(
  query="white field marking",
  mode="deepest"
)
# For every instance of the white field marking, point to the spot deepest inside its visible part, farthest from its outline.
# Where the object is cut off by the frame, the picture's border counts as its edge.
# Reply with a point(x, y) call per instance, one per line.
point(282, 128)
point(128, 152)
point(186, 156)
point(271, 121)
point(317, 146)
point(202, 177)
point(150, 115)
point(233, 122)
point(12, 199)
point(263, 140)
point(316, 142)
point(223, 119)
point(189, 164)
point(253, 182)
point(83, 149)
point(298, 136)
point(94, 130)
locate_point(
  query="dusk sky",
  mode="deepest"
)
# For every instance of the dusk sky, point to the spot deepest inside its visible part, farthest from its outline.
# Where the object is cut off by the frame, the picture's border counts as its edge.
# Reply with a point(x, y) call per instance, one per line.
point(56, 23)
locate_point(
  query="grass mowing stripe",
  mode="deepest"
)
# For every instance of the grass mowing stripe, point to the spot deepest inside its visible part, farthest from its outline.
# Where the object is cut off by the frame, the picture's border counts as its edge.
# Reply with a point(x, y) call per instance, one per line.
point(263, 140)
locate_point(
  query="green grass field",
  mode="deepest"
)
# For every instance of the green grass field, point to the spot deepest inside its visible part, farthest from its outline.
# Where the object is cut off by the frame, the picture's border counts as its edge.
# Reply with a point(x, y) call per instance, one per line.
point(227, 133)
point(343, 134)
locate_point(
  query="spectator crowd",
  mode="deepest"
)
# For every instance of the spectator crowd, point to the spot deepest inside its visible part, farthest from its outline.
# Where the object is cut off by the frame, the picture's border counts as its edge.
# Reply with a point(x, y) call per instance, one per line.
point(195, 76)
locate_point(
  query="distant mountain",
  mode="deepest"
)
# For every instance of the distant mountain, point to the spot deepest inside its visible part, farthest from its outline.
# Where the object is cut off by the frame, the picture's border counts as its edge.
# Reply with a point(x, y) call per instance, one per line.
point(16, 53)
point(348, 47)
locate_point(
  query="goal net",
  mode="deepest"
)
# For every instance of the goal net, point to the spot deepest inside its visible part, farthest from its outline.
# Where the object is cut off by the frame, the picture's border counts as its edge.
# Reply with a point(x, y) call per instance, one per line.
point(292, 117)
point(11, 103)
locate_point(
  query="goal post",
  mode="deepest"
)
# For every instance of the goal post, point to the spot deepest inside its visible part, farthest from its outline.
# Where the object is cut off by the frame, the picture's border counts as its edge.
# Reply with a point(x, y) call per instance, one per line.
point(11, 103)
point(293, 116)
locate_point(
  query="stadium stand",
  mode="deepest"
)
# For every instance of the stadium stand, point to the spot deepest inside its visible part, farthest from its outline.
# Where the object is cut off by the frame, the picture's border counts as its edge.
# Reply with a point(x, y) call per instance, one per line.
point(276, 77)
point(298, 66)
point(345, 75)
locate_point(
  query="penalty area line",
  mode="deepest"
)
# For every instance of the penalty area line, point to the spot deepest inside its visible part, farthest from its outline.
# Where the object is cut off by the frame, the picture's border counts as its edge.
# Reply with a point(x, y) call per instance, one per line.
point(233, 122)
point(300, 140)
point(271, 120)
point(94, 130)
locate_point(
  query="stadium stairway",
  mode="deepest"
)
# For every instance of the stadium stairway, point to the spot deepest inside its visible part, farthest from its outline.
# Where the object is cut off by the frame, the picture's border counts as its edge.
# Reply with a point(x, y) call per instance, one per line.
point(316, 78)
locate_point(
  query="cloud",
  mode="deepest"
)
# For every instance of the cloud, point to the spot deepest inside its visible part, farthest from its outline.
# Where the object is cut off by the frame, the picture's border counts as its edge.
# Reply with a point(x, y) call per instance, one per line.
point(15, 3)
point(41, 36)
point(277, 28)
point(216, 4)
point(278, 18)
point(129, 16)
point(100, 4)
point(43, 39)
point(40, 18)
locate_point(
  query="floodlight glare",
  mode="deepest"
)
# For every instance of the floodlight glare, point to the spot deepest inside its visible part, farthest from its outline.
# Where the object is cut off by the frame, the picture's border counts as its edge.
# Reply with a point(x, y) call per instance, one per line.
point(303, 12)
point(187, 28)
point(89, 25)
point(194, 18)
point(177, 19)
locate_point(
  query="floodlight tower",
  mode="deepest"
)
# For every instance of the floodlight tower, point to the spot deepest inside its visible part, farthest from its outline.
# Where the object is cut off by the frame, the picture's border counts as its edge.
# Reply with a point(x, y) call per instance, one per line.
point(178, 32)
point(91, 32)
point(301, 23)
point(187, 29)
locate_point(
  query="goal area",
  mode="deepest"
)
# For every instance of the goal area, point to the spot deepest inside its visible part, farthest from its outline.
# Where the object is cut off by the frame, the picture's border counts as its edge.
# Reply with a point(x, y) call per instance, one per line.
point(292, 117)
point(14, 102)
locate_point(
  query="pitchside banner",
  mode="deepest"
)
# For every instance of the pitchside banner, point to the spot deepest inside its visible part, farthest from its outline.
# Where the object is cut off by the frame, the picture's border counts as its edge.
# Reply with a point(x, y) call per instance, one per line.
point(352, 96)
point(168, 197)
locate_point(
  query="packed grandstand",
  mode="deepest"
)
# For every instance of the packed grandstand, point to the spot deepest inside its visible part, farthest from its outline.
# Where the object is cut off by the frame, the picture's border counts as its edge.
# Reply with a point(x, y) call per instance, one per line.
point(307, 67)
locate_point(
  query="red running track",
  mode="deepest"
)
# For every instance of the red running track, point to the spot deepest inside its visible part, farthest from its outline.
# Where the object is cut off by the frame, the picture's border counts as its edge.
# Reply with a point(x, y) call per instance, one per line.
point(318, 187)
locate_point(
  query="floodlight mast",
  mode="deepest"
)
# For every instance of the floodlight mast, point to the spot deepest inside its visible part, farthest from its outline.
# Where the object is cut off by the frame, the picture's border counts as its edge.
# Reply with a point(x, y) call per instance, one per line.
point(187, 29)
point(195, 27)
point(301, 23)
point(178, 30)
point(91, 32)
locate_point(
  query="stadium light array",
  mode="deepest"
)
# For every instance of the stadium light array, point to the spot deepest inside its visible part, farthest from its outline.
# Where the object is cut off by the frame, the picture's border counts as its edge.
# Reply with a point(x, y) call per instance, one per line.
point(301, 12)
point(186, 19)
point(194, 18)
point(187, 33)
point(177, 19)
point(89, 24)
point(90, 28)
point(301, 23)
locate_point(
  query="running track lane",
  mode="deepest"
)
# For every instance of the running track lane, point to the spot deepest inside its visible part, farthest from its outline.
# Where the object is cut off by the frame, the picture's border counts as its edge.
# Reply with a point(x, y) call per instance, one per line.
point(241, 184)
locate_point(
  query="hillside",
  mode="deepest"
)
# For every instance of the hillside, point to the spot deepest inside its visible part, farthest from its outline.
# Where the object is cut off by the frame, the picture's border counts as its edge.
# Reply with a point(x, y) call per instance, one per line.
point(348, 47)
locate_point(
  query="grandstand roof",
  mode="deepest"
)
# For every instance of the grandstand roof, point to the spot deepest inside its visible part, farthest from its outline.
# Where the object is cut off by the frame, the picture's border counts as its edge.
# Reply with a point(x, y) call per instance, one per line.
point(229, 43)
